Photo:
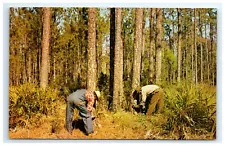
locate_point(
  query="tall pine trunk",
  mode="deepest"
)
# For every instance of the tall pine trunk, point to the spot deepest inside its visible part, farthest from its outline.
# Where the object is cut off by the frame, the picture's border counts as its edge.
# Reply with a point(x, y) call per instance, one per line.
point(91, 73)
point(207, 53)
point(29, 66)
point(201, 48)
point(137, 48)
point(195, 47)
point(121, 92)
point(117, 60)
point(211, 53)
point(45, 48)
point(192, 53)
point(158, 44)
point(143, 48)
point(151, 49)
point(112, 48)
point(179, 52)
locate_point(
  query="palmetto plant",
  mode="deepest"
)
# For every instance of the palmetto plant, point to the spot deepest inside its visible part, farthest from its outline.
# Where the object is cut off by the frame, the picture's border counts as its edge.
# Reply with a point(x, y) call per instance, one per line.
point(190, 107)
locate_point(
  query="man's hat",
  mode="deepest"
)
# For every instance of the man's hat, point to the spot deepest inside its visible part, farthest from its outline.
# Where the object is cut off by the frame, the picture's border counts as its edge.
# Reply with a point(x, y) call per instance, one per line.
point(97, 94)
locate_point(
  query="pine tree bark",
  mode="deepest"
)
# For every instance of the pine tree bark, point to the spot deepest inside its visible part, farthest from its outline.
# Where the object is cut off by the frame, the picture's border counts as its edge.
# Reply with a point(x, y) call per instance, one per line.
point(91, 74)
point(117, 60)
point(211, 51)
point(121, 92)
point(195, 47)
point(45, 48)
point(207, 53)
point(137, 48)
point(179, 55)
point(158, 44)
point(151, 49)
point(201, 51)
point(29, 66)
point(192, 52)
point(143, 47)
point(112, 48)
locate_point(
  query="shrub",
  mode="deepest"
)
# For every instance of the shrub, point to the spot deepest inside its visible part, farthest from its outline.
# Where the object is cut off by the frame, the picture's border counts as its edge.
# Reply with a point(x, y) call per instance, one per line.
point(29, 100)
point(190, 107)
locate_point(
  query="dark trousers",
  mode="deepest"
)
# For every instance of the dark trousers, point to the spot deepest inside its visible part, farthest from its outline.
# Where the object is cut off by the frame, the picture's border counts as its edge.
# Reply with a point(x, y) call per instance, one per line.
point(83, 112)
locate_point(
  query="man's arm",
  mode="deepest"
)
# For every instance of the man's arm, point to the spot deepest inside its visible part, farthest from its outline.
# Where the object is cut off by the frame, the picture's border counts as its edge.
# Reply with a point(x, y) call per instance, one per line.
point(137, 107)
point(91, 99)
point(143, 95)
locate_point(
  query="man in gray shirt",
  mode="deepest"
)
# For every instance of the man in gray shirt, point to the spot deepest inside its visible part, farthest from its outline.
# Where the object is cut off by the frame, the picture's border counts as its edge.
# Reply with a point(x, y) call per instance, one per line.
point(148, 97)
point(84, 101)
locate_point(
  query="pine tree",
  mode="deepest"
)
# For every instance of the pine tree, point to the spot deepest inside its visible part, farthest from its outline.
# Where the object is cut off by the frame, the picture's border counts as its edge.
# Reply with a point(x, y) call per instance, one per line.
point(91, 74)
point(195, 48)
point(45, 48)
point(158, 44)
point(137, 48)
point(151, 49)
point(112, 48)
point(179, 53)
point(117, 61)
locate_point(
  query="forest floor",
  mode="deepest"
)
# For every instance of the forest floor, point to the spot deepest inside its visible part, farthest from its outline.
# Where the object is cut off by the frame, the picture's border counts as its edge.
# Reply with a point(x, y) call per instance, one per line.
point(113, 126)
point(121, 125)
point(170, 124)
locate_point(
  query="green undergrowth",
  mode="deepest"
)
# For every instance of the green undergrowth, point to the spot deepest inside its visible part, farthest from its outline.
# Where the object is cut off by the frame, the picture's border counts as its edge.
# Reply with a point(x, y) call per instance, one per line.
point(189, 112)
point(28, 103)
point(190, 109)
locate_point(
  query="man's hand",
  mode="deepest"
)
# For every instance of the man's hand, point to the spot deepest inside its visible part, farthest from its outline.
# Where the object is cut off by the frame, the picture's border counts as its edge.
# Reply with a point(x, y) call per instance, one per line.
point(92, 113)
point(95, 120)
point(142, 104)
point(136, 106)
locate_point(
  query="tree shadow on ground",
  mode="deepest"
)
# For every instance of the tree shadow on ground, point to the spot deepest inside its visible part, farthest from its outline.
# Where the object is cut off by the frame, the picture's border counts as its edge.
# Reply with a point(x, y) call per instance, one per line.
point(79, 124)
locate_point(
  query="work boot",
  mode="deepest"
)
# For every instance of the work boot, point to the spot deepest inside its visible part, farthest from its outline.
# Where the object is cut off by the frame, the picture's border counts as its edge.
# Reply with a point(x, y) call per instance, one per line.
point(69, 128)
point(91, 133)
